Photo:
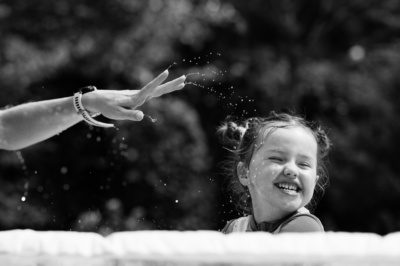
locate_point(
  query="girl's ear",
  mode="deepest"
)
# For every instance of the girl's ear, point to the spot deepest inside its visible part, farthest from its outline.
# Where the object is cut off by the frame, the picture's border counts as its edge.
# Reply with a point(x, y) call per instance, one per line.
point(242, 174)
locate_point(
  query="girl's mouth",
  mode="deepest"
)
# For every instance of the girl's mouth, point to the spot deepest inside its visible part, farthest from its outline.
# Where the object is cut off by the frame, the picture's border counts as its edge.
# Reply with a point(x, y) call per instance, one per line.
point(288, 188)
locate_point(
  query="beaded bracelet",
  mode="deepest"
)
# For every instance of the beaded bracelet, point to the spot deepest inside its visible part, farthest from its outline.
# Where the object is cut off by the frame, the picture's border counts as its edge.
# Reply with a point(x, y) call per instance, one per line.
point(88, 117)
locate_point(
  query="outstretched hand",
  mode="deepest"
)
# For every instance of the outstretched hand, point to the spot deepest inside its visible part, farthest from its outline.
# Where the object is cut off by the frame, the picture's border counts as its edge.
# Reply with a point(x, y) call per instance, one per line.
point(121, 105)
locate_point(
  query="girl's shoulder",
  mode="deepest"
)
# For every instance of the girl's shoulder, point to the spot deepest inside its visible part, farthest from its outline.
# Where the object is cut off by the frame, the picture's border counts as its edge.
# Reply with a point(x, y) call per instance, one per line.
point(301, 222)
point(236, 225)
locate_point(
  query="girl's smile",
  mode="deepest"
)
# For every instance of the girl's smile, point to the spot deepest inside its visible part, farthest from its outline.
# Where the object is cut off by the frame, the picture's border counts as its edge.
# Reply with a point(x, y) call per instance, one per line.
point(288, 188)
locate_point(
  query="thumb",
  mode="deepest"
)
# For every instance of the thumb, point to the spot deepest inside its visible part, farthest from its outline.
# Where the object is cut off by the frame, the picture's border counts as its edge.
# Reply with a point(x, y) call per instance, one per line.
point(136, 115)
point(133, 115)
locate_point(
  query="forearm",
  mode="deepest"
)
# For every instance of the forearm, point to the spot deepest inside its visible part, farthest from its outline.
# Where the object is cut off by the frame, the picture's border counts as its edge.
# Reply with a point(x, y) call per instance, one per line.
point(27, 124)
point(30, 123)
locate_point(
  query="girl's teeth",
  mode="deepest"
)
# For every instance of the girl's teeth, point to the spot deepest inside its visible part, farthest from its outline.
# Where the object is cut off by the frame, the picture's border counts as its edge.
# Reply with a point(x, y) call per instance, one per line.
point(288, 186)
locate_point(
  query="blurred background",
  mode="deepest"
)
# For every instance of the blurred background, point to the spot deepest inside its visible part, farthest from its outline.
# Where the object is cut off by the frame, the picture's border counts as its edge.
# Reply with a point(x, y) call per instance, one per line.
point(336, 62)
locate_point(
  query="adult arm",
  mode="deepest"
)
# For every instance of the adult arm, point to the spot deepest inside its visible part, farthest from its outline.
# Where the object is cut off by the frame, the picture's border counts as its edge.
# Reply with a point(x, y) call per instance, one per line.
point(27, 124)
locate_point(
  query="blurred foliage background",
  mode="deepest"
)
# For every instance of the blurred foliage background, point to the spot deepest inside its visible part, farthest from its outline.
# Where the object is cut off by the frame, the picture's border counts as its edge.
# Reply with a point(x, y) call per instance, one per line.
point(336, 62)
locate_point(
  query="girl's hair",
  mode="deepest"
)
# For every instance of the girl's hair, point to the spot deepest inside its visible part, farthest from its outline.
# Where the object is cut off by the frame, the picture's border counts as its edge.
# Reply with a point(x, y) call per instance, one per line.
point(240, 138)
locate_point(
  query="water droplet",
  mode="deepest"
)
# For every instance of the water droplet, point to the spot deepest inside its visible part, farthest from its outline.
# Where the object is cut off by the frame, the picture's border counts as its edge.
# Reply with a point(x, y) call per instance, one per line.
point(151, 119)
point(64, 170)
point(173, 64)
point(192, 74)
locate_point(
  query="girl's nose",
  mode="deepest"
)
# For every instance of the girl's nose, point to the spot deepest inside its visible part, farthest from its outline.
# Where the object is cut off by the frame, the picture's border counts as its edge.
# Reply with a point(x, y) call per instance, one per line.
point(290, 171)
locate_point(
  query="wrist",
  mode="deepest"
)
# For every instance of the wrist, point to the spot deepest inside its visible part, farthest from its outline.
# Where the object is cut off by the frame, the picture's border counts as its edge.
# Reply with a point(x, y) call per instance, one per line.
point(88, 101)
point(82, 110)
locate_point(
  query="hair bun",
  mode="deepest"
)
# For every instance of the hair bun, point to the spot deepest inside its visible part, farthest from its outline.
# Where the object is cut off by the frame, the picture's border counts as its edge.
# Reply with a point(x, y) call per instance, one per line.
point(231, 134)
point(323, 142)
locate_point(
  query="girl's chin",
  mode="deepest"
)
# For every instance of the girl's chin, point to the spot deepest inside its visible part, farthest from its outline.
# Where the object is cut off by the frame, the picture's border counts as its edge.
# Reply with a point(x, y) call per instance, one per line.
point(291, 206)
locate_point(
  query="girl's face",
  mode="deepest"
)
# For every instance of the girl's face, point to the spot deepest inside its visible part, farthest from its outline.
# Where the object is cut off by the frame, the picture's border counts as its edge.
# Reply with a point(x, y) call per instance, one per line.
point(282, 173)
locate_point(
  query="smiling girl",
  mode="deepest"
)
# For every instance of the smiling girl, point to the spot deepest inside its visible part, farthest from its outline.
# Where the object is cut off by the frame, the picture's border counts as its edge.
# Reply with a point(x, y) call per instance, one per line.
point(276, 172)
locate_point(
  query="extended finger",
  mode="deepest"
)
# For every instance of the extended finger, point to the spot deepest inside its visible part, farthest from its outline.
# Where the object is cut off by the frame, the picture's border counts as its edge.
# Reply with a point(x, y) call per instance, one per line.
point(176, 84)
point(129, 114)
point(149, 89)
point(145, 93)
point(175, 88)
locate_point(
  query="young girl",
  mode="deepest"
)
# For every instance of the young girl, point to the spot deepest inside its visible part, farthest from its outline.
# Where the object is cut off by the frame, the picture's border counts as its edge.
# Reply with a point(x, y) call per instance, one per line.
point(276, 172)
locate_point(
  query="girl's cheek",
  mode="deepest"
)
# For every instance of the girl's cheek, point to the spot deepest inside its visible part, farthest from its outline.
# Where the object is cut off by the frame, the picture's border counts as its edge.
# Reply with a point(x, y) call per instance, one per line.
point(312, 183)
point(257, 176)
point(274, 172)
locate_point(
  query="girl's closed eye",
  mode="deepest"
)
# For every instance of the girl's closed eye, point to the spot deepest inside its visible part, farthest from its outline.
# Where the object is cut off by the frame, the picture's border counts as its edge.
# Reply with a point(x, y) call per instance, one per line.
point(305, 165)
point(276, 159)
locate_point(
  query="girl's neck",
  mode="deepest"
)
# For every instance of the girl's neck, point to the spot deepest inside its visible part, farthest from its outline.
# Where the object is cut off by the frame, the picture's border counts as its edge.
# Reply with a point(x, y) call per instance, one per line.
point(268, 215)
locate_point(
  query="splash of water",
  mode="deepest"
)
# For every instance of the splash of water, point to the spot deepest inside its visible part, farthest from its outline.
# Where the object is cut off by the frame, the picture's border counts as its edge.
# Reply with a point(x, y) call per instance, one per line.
point(25, 169)
point(207, 75)
point(173, 64)
point(151, 119)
